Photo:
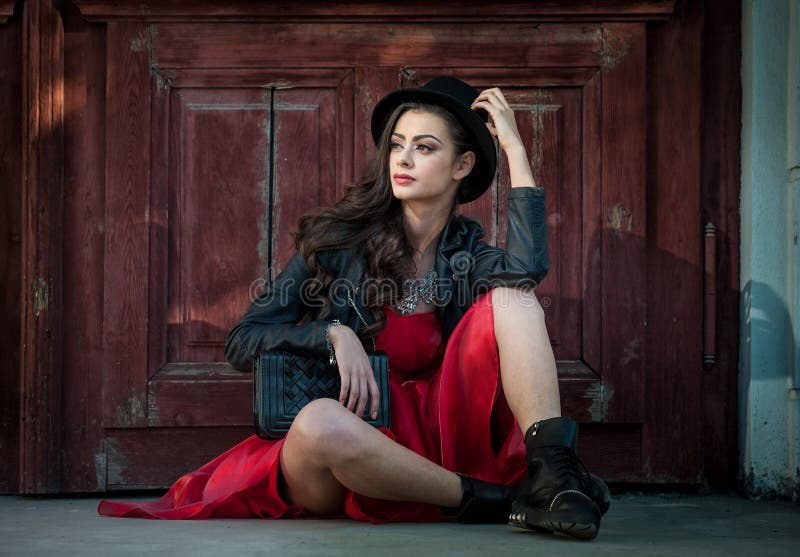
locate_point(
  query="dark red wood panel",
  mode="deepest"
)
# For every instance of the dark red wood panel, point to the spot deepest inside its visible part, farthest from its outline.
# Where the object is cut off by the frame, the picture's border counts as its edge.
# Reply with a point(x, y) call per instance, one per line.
point(126, 229)
point(301, 45)
point(591, 243)
point(161, 10)
point(42, 267)
point(133, 453)
point(218, 188)
point(623, 256)
point(612, 451)
point(160, 221)
point(127, 236)
point(200, 395)
point(371, 85)
point(10, 247)
point(719, 191)
point(674, 251)
point(230, 186)
point(84, 130)
point(313, 153)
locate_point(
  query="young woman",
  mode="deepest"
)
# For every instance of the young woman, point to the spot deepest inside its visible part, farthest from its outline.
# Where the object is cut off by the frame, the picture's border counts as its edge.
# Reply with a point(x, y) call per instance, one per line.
point(474, 392)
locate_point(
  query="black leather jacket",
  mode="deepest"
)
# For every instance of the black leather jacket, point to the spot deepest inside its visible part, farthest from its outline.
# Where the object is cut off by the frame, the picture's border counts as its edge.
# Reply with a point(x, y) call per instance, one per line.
point(466, 266)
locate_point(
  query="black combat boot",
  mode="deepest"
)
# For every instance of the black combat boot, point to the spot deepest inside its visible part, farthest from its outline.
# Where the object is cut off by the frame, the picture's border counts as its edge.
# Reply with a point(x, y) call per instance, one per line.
point(558, 495)
point(482, 501)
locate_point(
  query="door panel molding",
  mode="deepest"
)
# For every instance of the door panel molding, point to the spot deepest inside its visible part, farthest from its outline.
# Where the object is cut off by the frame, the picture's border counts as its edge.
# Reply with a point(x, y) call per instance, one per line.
point(371, 11)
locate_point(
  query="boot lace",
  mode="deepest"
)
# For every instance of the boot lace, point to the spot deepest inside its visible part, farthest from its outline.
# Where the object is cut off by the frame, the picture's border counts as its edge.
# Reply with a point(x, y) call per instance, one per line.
point(567, 464)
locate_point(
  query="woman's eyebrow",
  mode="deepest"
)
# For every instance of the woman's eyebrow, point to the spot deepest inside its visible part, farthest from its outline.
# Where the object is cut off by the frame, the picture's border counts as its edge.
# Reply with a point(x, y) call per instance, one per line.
point(418, 137)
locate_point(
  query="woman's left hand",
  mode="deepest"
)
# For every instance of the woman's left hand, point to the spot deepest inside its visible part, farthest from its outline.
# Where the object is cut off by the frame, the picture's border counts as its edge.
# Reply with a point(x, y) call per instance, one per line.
point(503, 125)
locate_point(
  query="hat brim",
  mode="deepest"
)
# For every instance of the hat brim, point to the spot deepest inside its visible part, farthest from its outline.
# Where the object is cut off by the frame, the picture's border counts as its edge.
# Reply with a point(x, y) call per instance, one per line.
point(473, 121)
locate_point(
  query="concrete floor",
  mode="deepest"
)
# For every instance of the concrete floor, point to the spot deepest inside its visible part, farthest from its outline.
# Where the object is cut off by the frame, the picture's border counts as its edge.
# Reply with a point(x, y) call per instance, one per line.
point(637, 525)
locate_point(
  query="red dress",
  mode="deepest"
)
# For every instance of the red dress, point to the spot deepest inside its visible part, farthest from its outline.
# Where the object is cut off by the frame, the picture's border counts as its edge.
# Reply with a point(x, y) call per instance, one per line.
point(447, 405)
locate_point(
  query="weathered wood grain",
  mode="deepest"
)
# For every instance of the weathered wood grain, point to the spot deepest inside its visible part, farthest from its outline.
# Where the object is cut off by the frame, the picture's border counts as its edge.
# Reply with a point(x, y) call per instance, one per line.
point(674, 240)
point(11, 247)
point(306, 45)
point(42, 245)
point(127, 225)
point(136, 196)
point(353, 10)
point(84, 166)
point(592, 219)
point(719, 197)
point(623, 259)
point(155, 457)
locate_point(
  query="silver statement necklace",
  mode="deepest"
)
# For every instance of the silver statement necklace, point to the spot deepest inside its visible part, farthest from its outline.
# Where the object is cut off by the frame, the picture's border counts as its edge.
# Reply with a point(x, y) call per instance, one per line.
point(415, 290)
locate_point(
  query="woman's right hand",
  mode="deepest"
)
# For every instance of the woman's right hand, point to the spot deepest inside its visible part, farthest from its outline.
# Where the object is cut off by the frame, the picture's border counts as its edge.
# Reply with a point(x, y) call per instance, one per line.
point(358, 378)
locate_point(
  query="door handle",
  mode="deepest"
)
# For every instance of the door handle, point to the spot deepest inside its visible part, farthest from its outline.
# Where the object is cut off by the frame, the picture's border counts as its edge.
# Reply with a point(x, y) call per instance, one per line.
point(710, 297)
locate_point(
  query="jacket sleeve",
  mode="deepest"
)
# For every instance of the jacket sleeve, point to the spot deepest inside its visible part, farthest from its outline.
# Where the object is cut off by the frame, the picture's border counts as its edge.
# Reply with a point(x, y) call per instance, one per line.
point(270, 321)
point(525, 260)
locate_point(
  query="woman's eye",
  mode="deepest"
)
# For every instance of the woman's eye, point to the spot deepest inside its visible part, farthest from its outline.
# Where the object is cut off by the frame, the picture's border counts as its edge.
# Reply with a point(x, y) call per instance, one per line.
point(420, 147)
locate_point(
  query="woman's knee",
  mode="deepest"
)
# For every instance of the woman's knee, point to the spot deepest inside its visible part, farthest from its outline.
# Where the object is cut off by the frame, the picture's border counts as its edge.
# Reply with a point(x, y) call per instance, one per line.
point(326, 429)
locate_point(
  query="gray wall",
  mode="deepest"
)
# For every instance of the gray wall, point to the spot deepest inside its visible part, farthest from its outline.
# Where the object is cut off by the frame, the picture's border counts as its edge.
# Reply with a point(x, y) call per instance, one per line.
point(768, 386)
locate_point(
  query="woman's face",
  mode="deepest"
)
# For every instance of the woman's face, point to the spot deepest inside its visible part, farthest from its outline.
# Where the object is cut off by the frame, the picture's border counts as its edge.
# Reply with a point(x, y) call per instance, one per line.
point(422, 159)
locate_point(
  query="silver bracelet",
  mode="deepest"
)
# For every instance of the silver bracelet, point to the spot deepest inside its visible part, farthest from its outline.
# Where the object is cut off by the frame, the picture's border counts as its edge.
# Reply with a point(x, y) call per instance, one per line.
point(331, 354)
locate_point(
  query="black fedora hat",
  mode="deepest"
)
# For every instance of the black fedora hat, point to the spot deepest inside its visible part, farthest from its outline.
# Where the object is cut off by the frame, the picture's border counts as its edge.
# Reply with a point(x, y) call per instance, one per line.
point(457, 97)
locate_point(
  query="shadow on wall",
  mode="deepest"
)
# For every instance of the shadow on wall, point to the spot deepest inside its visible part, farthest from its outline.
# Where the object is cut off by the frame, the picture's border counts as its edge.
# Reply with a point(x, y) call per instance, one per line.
point(768, 417)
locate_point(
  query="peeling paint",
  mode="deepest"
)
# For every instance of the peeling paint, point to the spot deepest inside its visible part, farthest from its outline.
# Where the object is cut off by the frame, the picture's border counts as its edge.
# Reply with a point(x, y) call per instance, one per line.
point(153, 414)
point(282, 84)
point(619, 218)
point(599, 395)
point(616, 47)
point(131, 410)
point(409, 74)
point(263, 186)
point(539, 105)
point(367, 100)
point(631, 352)
point(162, 83)
point(40, 296)
point(101, 468)
point(141, 43)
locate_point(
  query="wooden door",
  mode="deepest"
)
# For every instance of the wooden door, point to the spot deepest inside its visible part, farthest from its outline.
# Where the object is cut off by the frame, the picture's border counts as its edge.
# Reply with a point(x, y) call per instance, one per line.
point(219, 136)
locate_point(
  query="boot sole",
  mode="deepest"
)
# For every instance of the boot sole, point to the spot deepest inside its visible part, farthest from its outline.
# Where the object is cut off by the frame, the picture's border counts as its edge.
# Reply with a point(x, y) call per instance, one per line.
point(577, 525)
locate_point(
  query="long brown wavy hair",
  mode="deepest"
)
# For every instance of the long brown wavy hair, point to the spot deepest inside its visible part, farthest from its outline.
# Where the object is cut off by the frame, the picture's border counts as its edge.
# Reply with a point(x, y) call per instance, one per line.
point(369, 218)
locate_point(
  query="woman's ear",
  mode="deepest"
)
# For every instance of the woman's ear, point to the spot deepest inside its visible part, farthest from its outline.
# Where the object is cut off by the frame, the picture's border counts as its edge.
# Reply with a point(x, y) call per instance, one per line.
point(464, 165)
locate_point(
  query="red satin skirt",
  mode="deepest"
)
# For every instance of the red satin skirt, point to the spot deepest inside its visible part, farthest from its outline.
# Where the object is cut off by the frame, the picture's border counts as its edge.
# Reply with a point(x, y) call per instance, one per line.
point(447, 405)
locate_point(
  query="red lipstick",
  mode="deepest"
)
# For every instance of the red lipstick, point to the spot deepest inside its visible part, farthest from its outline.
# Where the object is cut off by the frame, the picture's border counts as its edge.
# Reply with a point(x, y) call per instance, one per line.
point(403, 178)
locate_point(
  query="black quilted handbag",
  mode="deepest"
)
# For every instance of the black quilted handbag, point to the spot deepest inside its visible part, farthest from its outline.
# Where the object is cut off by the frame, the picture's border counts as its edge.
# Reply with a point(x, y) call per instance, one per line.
point(284, 382)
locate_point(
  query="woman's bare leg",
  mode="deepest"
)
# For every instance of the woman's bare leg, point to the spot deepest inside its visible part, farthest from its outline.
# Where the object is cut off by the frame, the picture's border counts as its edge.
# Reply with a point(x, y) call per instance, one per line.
point(329, 449)
point(527, 364)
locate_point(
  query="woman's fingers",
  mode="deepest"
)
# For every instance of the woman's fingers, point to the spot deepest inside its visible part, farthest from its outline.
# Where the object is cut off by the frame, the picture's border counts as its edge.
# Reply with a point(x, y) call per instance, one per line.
point(358, 389)
point(502, 97)
point(368, 394)
point(375, 394)
point(353, 399)
point(363, 396)
point(502, 124)
point(494, 98)
point(345, 388)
